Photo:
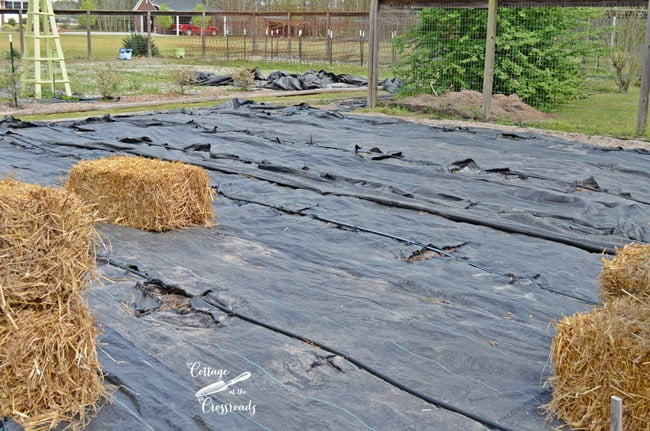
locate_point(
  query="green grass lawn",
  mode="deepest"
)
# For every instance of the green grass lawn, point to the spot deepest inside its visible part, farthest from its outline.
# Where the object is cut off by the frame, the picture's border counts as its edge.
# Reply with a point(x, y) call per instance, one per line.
point(604, 111)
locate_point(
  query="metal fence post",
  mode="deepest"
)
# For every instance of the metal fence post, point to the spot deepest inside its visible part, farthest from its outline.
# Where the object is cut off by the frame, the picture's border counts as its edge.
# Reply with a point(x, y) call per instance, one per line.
point(616, 414)
point(14, 93)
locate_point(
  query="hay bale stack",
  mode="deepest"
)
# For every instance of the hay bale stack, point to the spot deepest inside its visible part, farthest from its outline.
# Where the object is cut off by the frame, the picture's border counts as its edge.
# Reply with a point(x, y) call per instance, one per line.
point(627, 273)
point(49, 370)
point(147, 194)
point(599, 354)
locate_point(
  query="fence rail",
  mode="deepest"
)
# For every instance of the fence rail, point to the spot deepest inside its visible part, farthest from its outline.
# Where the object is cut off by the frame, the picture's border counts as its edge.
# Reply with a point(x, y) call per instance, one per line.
point(262, 36)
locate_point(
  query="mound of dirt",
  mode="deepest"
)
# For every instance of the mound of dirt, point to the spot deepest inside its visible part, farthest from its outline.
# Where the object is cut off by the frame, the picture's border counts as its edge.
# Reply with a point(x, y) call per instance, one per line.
point(467, 104)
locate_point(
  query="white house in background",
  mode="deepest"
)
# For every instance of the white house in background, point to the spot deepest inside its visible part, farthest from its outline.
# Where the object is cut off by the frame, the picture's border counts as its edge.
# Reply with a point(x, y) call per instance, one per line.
point(6, 4)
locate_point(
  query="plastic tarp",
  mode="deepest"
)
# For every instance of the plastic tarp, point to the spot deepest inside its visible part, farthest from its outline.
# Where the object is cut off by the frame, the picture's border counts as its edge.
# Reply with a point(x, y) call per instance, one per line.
point(310, 80)
point(366, 273)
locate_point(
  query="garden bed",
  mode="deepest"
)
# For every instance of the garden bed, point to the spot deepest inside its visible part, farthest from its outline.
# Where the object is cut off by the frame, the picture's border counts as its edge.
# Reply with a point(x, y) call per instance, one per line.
point(369, 273)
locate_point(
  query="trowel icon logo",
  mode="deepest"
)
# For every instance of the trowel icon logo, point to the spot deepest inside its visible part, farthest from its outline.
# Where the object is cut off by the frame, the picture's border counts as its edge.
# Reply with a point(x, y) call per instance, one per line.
point(220, 386)
point(234, 400)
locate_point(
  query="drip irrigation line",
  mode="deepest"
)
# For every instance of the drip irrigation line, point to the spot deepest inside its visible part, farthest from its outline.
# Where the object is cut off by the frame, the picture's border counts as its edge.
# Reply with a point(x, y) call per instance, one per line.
point(618, 195)
point(524, 175)
point(511, 278)
point(409, 241)
point(589, 246)
point(455, 216)
point(126, 267)
point(391, 381)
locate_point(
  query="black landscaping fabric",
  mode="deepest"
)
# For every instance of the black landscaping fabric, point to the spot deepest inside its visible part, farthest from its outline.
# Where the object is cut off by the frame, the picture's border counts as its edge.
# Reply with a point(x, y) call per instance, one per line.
point(310, 80)
point(369, 273)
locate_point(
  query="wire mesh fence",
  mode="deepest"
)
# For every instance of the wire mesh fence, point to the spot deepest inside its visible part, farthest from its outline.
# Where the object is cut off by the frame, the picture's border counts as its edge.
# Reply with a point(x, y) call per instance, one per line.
point(289, 37)
point(309, 37)
point(543, 54)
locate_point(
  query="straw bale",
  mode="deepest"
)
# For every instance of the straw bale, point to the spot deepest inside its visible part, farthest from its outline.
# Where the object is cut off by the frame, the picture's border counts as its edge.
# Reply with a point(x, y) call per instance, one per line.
point(598, 354)
point(147, 194)
point(49, 370)
point(627, 273)
point(46, 245)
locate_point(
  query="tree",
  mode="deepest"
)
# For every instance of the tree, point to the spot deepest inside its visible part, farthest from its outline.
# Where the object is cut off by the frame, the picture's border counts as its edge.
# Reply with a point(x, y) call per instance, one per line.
point(138, 43)
point(625, 39)
point(164, 21)
point(114, 23)
point(87, 5)
point(537, 52)
point(198, 19)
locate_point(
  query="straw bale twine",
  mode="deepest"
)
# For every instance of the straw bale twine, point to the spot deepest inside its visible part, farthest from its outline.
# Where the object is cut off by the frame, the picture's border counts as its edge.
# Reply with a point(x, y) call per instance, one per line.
point(147, 194)
point(598, 354)
point(627, 272)
point(49, 370)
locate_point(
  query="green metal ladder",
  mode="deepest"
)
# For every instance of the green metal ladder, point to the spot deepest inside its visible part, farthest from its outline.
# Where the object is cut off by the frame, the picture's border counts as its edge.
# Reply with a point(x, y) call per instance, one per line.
point(39, 69)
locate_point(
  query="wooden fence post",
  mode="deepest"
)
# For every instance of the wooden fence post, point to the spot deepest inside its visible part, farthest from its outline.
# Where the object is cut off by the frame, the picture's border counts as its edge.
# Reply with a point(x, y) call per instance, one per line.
point(21, 29)
point(373, 53)
point(488, 71)
point(289, 34)
point(148, 34)
point(254, 48)
point(203, 34)
point(88, 38)
point(327, 34)
point(642, 114)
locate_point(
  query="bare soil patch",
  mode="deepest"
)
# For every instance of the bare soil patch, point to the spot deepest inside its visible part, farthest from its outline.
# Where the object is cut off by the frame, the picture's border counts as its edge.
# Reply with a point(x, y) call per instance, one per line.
point(424, 254)
point(201, 94)
point(467, 104)
point(197, 95)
